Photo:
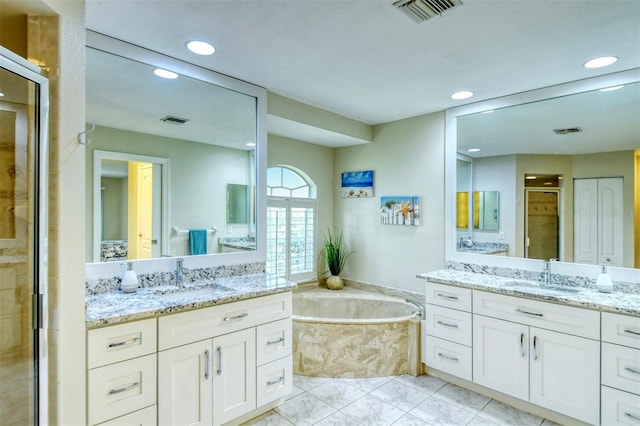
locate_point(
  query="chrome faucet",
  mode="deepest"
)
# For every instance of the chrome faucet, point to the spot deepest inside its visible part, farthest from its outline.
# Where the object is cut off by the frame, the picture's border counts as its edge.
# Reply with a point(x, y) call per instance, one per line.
point(180, 270)
point(545, 275)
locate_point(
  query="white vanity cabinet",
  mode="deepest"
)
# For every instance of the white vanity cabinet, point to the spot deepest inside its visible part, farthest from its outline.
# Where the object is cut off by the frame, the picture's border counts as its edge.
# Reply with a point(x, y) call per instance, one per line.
point(620, 369)
point(122, 374)
point(219, 363)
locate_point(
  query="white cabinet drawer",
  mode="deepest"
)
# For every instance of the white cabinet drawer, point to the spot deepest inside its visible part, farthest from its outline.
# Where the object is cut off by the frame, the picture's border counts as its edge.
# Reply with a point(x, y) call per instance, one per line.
point(273, 341)
point(121, 388)
point(449, 357)
point(449, 324)
point(119, 342)
point(619, 408)
point(145, 417)
point(565, 319)
point(274, 380)
point(186, 327)
point(621, 367)
point(621, 329)
point(449, 296)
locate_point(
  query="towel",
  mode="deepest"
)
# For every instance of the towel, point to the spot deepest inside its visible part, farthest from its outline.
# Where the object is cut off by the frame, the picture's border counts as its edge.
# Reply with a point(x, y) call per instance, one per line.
point(198, 241)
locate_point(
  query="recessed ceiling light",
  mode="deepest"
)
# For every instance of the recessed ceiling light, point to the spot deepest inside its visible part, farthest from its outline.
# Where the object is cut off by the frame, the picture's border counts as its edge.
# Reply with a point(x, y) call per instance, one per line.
point(462, 95)
point(200, 47)
point(473, 150)
point(601, 62)
point(612, 88)
point(250, 144)
point(165, 73)
point(1, 94)
point(530, 177)
point(488, 111)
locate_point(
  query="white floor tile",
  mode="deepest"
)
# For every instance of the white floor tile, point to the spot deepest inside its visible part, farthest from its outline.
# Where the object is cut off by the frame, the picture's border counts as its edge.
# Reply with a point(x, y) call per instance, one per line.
point(369, 410)
point(400, 395)
point(338, 419)
point(504, 414)
point(438, 412)
point(461, 397)
point(368, 384)
point(270, 418)
point(337, 393)
point(425, 383)
point(410, 420)
point(304, 409)
point(308, 382)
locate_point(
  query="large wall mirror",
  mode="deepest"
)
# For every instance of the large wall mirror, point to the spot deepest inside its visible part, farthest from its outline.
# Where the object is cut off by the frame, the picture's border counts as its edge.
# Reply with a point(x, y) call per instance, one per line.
point(564, 162)
point(163, 153)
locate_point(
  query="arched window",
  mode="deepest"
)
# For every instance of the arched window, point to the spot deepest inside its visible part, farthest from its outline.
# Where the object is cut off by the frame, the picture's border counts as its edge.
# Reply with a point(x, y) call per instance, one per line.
point(291, 219)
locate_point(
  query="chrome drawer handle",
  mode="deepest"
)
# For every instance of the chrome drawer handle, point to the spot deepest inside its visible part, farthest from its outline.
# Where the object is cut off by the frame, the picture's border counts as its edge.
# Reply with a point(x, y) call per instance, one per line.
point(446, 296)
point(447, 324)
point(522, 345)
point(134, 341)
point(237, 317)
point(219, 371)
point(448, 357)
point(124, 388)
point(535, 347)
point(632, 370)
point(206, 364)
point(529, 313)
point(275, 342)
point(632, 332)
point(631, 416)
point(273, 382)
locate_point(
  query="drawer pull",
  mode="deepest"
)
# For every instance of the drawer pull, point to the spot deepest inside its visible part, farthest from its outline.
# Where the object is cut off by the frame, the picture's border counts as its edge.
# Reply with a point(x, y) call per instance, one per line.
point(535, 347)
point(635, 333)
point(447, 324)
point(535, 314)
point(219, 370)
point(632, 416)
point(206, 364)
point(446, 296)
point(124, 388)
point(448, 357)
point(275, 342)
point(236, 317)
point(134, 341)
point(273, 382)
point(632, 370)
point(522, 345)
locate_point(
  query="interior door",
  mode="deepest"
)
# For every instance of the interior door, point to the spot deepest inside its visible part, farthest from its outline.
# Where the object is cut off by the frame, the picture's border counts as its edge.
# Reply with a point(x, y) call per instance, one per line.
point(23, 233)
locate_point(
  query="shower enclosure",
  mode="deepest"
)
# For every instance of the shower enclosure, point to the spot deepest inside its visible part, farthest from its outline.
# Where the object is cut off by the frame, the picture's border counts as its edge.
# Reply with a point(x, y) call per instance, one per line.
point(23, 241)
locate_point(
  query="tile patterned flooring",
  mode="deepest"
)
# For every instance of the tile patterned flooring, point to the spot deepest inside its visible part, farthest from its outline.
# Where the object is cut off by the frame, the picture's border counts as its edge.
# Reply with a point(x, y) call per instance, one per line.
point(400, 401)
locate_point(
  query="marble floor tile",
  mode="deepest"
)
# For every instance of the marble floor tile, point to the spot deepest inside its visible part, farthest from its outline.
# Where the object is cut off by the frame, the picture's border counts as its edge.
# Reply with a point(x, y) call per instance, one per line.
point(410, 420)
point(270, 418)
point(504, 414)
point(481, 421)
point(295, 392)
point(308, 382)
point(462, 397)
point(304, 409)
point(338, 419)
point(336, 393)
point(370, 410)
point(425, 383)
point(400, 395)
point(438, 412)
point(368, 384)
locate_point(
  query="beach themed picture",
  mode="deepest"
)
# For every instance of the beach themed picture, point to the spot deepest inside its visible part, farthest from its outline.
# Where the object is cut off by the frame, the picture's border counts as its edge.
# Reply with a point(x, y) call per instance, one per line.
point(357, 184)
point(400, 210)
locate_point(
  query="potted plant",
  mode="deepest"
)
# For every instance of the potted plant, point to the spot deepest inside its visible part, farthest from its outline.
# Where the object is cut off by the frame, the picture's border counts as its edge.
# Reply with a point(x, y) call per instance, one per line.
point(336, 255)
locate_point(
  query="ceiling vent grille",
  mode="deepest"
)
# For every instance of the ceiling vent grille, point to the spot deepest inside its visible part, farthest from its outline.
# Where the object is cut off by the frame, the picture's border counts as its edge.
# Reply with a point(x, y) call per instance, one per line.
point(421, 10)
point(174, 120)
point(567, 131)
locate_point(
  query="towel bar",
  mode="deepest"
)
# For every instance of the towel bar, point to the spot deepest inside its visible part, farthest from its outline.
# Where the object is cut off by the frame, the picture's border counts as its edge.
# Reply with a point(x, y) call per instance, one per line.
point(177, 230)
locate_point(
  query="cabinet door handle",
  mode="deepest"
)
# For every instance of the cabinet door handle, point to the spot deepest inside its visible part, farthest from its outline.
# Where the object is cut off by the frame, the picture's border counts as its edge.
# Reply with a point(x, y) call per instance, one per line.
point(275, 342)
point(635, 333)
point(219, 350)
point(522, 345)
point(448, 357)
point(446, 296)
point(128, 342)
point(124, 388)
point(535, 314)
point(207, 361)
point(632, 416)
point(273, 382)
point(632, 370)
point(446, 324)
point(535, 347)
point(235, 317)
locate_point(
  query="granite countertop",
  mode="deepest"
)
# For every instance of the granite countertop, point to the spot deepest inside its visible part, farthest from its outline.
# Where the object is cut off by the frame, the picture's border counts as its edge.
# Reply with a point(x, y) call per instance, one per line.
point(584, 297)
point(117, 307)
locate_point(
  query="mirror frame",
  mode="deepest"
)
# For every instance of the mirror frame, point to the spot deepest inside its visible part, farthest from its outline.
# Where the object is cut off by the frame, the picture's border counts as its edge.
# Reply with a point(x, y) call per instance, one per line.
point(120, 48)
point(569, 88)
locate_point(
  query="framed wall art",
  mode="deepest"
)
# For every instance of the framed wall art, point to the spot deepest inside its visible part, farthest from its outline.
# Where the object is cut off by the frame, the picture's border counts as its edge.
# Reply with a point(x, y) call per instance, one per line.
point(357, 184)
point(400, 210)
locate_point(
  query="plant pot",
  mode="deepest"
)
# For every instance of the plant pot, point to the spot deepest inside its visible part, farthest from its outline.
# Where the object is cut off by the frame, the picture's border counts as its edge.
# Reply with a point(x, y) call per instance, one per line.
point(335, 282)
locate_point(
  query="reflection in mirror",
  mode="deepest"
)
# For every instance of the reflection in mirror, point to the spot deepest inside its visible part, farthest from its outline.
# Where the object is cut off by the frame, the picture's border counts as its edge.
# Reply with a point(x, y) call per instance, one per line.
point(237, 203)
point(578, 140)
point(485, 210)
point(202, 130)
point(463, 195)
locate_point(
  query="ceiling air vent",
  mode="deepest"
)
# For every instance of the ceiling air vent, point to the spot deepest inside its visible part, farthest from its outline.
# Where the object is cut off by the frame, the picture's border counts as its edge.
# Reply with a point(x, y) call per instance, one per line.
point(174, 120)
point(567, 131)
point(421, 10)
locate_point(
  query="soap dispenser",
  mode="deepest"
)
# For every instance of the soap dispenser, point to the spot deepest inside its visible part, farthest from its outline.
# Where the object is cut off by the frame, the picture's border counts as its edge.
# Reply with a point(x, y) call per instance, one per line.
point(604, 283)
point(129, 280)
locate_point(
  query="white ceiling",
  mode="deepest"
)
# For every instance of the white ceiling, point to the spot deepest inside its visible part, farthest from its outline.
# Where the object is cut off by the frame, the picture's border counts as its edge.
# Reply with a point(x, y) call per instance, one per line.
point(368, 61)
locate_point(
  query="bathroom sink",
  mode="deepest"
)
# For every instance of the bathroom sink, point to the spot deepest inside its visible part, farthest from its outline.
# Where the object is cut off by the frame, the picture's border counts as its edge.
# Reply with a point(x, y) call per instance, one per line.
point(194, 293)
point(542, 287)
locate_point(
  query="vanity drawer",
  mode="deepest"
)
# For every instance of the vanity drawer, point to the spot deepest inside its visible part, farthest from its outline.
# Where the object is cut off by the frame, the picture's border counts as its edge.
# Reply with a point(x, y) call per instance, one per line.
point(449, 357)
point(619, 408)
point(621, 367)
point(121, 388)
point(273, 341)
point(449, 296)
point(449, 324)
point(192, 326)
point(565, 319)
point(274, 380)
point(117, 343)
point(621, 329)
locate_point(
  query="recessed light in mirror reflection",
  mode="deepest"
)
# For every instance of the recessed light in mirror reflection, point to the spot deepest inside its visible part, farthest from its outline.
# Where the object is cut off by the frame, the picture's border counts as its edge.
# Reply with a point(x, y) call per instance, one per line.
point(603, 61)
point(200, 47)
point(612, 88)
point(165, 73)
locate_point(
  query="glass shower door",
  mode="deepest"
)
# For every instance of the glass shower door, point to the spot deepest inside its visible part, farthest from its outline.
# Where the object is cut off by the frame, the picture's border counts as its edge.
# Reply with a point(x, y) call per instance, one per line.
point(23, 118)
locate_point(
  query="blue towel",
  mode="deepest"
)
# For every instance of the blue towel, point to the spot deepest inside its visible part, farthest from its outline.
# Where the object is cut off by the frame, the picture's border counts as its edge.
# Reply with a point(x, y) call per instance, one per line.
point(198, 241)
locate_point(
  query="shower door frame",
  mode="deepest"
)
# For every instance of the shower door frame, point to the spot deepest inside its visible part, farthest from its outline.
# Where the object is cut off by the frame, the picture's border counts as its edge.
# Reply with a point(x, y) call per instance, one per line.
point(25, 69)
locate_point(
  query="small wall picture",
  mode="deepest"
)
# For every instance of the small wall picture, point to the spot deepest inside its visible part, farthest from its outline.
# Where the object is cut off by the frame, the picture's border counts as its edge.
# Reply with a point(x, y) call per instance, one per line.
point(400, 210)
point(357, 184)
